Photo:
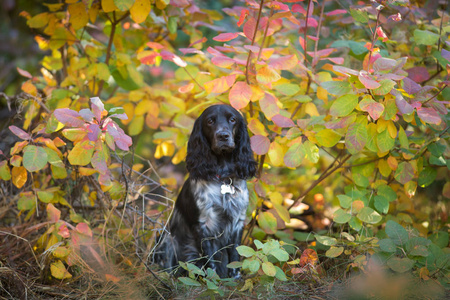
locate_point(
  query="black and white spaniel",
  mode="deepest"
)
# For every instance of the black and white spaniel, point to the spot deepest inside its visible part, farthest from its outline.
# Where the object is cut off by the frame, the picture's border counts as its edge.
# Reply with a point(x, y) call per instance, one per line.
point(208, 219)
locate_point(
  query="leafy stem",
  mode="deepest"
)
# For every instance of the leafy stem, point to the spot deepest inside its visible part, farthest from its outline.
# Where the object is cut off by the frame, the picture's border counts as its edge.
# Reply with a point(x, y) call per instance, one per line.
point(253, 41)
point(374, 35)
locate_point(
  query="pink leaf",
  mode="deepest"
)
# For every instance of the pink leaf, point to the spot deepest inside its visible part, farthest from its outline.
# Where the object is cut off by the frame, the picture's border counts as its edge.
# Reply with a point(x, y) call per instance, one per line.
point(223, 61)
point(381, 34)
point(269, 106)
point(249, 28)
point(283, 62)
point(99, 163)
point(367, 80)
point(410, 86)
point(298, 8)
point(24, 73)
point(397, 17)
point(214, 52)
point(240, 95)
point(97, 107)
point(122, 140)
point(93, 132)
point(374, 108)
point(119, 116)
point(64, 231)
point(154, 45)
point(336, 60)
point(166, 55)
point(403, 106)
point(86, 114)
point(336, 12)
point(346, 71)
point(429, 115)
point(191, 51)
point(225, 37)
point(260, 144)
point(322, 53)
point(278, 5)
point(83, 228)
point(53, 213)
point(445, 54)
point(68, 117)
point(19, 132)
point(282, 121)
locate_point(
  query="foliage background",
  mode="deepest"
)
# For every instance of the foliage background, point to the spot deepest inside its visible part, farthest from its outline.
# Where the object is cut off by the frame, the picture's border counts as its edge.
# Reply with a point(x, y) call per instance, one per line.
point(351, 139)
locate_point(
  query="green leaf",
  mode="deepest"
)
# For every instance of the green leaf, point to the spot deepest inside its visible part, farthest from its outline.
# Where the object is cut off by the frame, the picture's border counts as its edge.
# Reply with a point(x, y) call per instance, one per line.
point(356, 138)
point(355, 223)
point(34, 158)
point(5, 173)
point(425, 37)
point(359, 15)
point(381, 204)
point(386, 86)
point(396, 232)
point(387, 192)
point(303, 236)
point(53, 158)
point(280, 254)
point(427, 176)
point(26, 202)
point(404, 172)
point(267, 222)
point(328, 137)
point(189, 281)
point(337, 88)
point(440, 238)
point(124, 5)
point(81, 154)
point(311, 151)
point(269, 269)
point(325, 240)
point(384, 141)
point(341, 217)
point(400, 265)
point(334, 252)
point(253, 265)
point(194, 269)
point(294, 156)
point(172, 24)
point(345, 201)
point(368, 215)
point(258, 244)
point(287, 89)
point(344, 105)
point(234, 265)
point(245, 251)
point(280, 274)
point(387, 245)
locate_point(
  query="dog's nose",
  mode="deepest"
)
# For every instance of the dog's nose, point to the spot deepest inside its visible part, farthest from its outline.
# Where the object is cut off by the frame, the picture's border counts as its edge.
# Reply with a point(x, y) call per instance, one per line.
point(223, 136)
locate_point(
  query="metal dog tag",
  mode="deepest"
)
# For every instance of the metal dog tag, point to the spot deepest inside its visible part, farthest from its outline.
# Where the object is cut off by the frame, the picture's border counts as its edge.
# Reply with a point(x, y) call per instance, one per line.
point(227, 189)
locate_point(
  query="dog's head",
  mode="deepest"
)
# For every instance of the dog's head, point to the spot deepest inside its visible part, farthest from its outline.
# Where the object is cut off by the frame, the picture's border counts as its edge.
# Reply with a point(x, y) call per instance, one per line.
point(220, 134)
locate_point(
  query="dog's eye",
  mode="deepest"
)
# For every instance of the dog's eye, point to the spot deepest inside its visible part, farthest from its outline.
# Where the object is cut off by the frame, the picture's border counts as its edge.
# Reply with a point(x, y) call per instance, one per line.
point(210, 121)
point(232, 120)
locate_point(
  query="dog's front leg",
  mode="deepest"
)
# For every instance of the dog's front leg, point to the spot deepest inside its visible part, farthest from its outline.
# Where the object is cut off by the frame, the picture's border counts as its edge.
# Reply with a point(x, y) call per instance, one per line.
point(233, 255)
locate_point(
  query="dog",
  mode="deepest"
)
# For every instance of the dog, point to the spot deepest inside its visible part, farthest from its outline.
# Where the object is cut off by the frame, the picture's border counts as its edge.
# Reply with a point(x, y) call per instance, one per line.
point(208, 218)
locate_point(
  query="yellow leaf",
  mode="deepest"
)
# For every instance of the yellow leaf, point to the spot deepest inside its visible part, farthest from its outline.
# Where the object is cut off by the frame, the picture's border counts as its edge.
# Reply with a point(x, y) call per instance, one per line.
point(166, 148)
point(392, 129)
point(220, 85)
point(136, 125)
point(267, 75)
point(78, 15)
point(59, 271)
point(311, 109)
point(129, 110)
point(180, 156)
point(142, 107)
point(108, 6)
point(256, 127)
point(19, 176)
point(276, 154)
point(140, 10)
point(322, 94)
point(381, 125)
point(276, 198)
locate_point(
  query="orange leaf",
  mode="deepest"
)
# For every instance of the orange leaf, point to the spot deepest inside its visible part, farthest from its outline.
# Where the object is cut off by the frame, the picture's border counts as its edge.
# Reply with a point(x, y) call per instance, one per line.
point(220, 85)
point(308, 257)
point(19, 176)
point(29, 88)
point(267, 75)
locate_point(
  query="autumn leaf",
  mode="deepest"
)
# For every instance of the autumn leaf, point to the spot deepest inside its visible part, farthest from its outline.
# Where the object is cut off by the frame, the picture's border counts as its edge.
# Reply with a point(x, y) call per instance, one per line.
point(260, 144)
point(225, 37)
point(240, 95)
point(220, 85)
point(140, 10)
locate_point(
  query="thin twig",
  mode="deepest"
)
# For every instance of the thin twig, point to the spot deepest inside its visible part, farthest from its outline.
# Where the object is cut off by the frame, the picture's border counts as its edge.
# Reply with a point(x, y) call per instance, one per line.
point(253, 41)
point(374, 34)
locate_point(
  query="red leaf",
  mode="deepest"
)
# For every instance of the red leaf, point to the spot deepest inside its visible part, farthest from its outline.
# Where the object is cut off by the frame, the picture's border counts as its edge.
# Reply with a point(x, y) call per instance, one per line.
point(24, 73)
point(244, 14)
point(282, 121)
point(336, 12)
point(122, 140)
point(418, 74)
point(83, 228)
point(68, 117)
point(19, 132)
point(429, 115)
point(53, 213)
point(64, 231)
point(260, 144)
point(224, 37)
point(278, 5)
point(240, 95)
point(298, 8)
point(381, 34)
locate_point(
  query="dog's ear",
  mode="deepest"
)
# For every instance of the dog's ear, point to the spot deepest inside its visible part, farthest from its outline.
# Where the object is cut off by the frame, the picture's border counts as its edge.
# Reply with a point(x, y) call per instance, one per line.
point(200, 160)
point(243, 154)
